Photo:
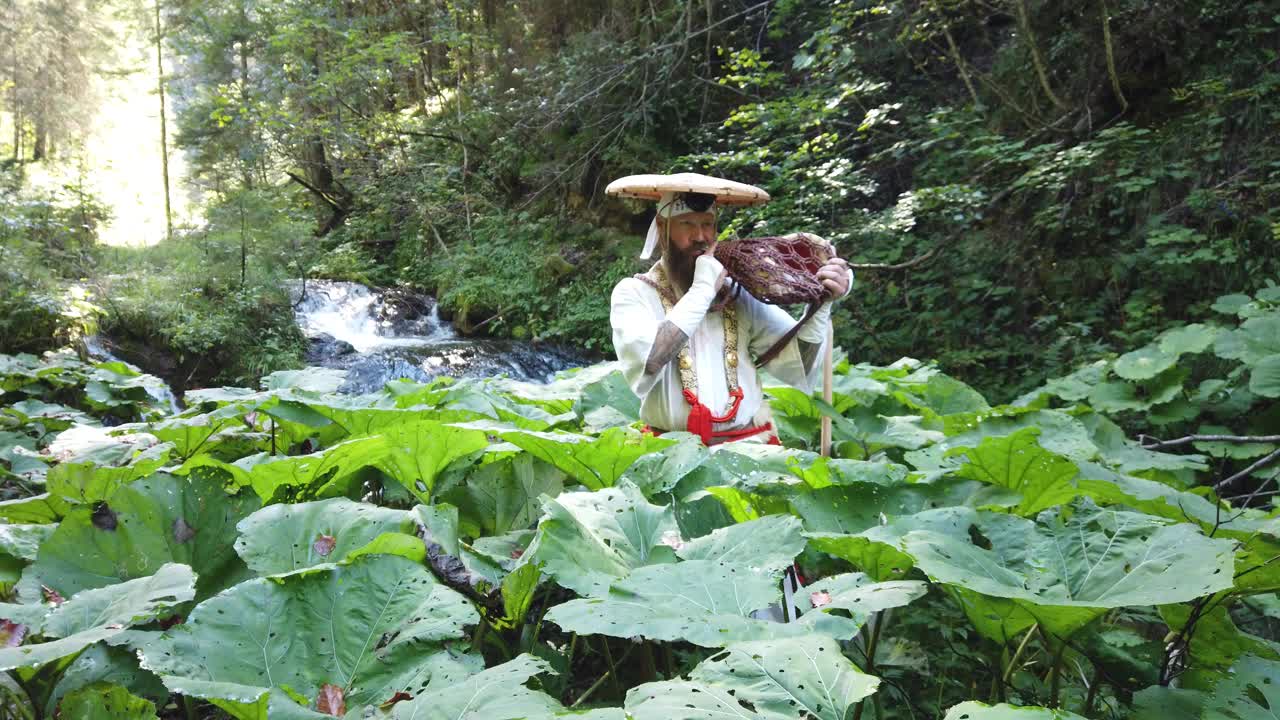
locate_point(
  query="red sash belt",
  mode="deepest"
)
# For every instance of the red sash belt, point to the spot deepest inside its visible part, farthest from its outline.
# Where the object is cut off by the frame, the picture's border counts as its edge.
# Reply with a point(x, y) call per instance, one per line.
point(701, 419)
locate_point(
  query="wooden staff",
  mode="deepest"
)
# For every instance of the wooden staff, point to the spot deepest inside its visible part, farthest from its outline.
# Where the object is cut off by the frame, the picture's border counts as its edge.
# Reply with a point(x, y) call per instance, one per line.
point(827, 372)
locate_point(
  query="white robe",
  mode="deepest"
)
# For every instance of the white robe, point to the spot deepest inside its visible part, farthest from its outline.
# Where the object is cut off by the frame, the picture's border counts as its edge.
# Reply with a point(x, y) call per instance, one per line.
point(636, 311)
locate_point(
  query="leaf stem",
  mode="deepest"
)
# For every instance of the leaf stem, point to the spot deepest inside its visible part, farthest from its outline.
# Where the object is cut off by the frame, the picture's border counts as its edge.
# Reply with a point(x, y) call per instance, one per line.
point(613, 668)
point(1017, 655)
point(610, 673)
point(1093, 693)
point(1055, 675)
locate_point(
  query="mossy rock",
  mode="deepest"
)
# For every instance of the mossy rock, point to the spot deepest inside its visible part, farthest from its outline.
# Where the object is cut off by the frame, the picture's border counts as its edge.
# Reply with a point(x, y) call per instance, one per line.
point(555, 267)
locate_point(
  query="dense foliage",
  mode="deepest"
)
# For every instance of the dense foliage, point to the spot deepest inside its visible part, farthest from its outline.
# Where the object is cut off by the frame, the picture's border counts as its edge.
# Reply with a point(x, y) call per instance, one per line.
point(501, 549)
point(1047, 183)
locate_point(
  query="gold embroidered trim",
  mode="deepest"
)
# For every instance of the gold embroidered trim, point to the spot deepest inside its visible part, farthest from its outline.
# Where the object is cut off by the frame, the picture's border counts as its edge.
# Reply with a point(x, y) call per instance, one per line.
point(657, 278)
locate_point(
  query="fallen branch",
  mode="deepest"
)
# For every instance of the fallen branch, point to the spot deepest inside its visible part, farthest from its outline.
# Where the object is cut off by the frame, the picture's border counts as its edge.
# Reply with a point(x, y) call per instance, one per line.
point(1261, 463)
point(898, 266)
point(1150, 443)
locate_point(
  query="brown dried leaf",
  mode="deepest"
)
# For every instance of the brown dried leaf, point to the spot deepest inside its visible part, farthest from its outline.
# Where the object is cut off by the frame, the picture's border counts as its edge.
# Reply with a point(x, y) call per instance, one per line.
point(402, 695)
point(12, 633)
point(324, 545)
point(331, 701)
point(51, 595)
point(182, 532)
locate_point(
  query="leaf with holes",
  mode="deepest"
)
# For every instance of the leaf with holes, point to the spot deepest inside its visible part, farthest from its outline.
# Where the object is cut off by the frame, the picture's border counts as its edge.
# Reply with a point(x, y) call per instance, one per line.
point(417, 453)
point(1250, 690)
point(974, 710)
point(106, 702)
point(785, 679)
point(505, 495)
point(858, 594)
point(270, 475)
point(1065, 569)
point(94, 615)
point(372, 628)
point(137, 532)
point(769, 544)
point(595, 462)
point(285, 538)
point(498, 693)
point(1019, 463)
point(586, 540)
point(699, 601)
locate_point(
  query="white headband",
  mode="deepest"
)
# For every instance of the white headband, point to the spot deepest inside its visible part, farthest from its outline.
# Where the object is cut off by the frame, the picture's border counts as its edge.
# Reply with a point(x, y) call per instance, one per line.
point(669, 205)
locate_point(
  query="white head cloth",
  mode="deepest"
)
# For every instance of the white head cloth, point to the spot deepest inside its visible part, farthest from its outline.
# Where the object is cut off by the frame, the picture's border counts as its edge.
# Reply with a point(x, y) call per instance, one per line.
point(669, 205)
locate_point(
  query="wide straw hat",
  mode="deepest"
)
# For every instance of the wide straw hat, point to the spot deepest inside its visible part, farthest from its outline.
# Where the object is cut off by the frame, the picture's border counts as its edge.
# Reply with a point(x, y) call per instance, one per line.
point(652, 187)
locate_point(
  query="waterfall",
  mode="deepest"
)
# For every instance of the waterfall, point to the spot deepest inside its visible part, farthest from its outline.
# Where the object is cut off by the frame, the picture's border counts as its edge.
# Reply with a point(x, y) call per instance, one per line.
point(378, 336)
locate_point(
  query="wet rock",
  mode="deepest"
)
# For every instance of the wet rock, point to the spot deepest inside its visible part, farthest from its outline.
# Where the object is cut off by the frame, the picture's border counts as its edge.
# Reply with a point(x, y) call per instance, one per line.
point(325, 347)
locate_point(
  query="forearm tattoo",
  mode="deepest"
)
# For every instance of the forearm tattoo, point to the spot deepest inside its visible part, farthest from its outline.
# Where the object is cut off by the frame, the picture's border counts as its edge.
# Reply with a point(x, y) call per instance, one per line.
point(666, 345)
point(809, 353)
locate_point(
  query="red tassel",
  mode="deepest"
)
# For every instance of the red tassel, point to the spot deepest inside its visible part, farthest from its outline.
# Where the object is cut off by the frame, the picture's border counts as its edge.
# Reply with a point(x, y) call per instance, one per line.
point(699, 417)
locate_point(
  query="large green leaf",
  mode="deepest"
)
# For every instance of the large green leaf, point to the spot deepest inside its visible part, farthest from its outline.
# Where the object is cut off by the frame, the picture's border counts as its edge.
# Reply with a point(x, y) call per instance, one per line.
point(974, 710)
point(269, 475)
point(87, 482)
point(703, 602)
point(102, 663)
point(1167, 703)
point(285, 538)
point(1194, 338)
point(124, 603)
point(1255, 339)
point(1143, 363)
point(190, 435)
point(660, 471)
point(856, 507)
point(1019, 463)
point(1065, 571)
point(586, 540)
point(859, 595)
point(785, 679)
point(417, 452)
point(1264, 377)
point(595, 462)
point(102, 613)
point(37, 509)
point(106, 702)
point(1250, 691)
point(769, 544)
point(498, 693)
point(146, 524)
point(876, 550)
point(372, 628)
point(503, 496)
point(23, 541)
point(1216, 645)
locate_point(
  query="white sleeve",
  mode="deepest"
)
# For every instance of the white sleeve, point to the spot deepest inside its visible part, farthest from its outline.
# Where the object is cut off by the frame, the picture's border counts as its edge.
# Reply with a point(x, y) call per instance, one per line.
point(814, 332)
point(635, 325)
point(768, 324)
point(634, 328)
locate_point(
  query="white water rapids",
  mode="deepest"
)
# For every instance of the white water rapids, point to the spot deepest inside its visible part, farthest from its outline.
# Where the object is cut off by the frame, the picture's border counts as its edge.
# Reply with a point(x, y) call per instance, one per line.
point(354, 314)
point(379, 336)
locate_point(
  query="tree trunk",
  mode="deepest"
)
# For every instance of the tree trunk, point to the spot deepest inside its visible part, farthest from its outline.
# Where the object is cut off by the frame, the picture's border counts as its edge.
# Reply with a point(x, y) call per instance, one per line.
point(41, 135)
point(164, 130)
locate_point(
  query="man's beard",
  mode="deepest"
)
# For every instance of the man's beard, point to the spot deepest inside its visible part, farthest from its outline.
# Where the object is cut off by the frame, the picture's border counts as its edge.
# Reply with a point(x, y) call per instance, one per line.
point(680, 265)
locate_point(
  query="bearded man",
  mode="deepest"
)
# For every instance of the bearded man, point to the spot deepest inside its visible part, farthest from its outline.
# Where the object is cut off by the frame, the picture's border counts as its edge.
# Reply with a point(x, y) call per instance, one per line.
point(687, 346)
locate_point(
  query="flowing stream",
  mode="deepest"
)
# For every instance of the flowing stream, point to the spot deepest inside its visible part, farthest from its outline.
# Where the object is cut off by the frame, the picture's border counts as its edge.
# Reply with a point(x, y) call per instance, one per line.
point(381, 335)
